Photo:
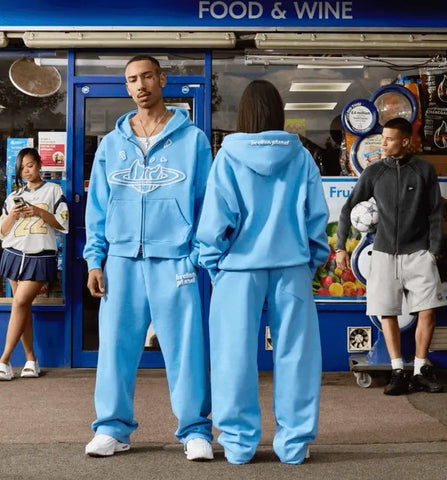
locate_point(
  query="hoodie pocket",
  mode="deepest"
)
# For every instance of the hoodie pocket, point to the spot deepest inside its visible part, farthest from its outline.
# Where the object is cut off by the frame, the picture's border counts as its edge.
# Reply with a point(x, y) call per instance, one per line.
point(124, 221)
point(165, 222)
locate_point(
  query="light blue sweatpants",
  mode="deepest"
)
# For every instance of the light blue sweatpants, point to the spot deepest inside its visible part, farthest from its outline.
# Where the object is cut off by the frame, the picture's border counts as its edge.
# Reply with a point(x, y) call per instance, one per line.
point(138, 290)
point(235, 314)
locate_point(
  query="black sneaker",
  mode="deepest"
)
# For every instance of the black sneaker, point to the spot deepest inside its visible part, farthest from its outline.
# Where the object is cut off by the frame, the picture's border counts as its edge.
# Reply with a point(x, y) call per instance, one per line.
point(426, 381)
point(398, 384)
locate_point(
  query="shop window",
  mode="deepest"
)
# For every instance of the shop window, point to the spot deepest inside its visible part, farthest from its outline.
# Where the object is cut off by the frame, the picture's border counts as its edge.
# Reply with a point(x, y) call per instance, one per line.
point(316, 92)
point(104, 63)
point(315, 95)
point(33, 113)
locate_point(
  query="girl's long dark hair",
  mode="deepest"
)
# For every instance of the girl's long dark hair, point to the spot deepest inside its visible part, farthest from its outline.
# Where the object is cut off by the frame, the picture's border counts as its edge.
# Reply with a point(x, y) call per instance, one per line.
point(18, 167)
point(260, 108)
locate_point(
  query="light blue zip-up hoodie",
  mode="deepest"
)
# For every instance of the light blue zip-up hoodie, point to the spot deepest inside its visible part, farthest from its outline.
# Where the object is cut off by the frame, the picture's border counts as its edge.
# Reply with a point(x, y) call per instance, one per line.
point(149, 204)
point(264, 206)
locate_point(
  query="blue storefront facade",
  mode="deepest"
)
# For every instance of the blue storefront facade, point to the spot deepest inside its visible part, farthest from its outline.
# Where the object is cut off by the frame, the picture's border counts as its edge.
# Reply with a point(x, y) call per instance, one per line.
point(62, 89)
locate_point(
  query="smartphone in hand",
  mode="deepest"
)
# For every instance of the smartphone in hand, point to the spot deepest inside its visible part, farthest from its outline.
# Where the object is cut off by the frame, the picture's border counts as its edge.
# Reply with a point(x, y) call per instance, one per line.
point(19, 202)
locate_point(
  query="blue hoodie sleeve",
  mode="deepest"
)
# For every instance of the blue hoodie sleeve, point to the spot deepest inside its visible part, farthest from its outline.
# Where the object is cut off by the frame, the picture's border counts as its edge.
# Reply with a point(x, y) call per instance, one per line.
point(204, 162)
point(317, 216)
point(219, 218)
point(96, 246)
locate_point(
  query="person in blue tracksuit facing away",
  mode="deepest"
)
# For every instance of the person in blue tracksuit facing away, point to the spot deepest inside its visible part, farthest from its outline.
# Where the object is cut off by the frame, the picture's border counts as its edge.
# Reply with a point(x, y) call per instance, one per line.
point(145, 193)
point(262, 233)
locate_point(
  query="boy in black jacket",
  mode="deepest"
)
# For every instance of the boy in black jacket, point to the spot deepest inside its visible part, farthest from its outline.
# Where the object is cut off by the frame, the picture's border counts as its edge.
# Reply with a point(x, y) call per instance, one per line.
point(407, 241)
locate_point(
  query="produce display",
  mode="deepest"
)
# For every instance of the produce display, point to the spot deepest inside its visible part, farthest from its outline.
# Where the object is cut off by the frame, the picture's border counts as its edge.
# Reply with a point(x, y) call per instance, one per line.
point(330, 281)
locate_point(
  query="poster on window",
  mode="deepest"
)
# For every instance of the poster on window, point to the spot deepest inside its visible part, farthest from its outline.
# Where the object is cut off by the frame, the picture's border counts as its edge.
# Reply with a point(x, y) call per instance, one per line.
point(13, 147)
point(52, 148)
point(329, 281)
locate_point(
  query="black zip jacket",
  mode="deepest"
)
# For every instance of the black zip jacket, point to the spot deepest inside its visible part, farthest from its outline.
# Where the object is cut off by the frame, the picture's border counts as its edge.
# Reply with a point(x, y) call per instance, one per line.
point(409, 202)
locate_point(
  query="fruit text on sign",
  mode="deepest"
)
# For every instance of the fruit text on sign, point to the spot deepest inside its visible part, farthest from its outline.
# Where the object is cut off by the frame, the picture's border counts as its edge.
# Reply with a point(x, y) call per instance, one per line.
point(335, 192)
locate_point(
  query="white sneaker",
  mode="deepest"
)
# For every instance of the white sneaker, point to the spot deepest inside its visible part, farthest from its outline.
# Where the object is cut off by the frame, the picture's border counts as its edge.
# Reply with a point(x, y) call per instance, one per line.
point(307, 453)
point(31, 369)
point(105, 446)
point(6, 372)
point(198, 449)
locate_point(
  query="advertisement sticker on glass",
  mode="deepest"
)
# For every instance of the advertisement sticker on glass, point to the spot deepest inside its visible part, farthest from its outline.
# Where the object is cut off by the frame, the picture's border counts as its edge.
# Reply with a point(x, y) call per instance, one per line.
point(359, 117)
point(394, 101)
point(52, 147)
point(13, 147)
point(364, 152)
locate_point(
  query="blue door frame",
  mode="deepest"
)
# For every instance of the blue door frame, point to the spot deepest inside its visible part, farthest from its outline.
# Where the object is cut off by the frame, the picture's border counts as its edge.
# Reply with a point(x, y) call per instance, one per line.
point(178, 87)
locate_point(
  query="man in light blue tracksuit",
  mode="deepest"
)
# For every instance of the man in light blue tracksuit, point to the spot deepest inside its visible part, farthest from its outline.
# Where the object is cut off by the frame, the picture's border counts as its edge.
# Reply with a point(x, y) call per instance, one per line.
point(263, 232)
point(145, 193)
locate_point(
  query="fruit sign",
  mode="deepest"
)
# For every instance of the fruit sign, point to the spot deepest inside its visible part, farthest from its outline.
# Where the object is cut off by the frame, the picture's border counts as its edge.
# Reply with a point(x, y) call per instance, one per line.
point(330, 281)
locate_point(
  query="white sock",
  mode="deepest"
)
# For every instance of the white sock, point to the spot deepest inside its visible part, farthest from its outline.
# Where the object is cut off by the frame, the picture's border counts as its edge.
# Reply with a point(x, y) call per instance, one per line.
point(418, 364)
point(397, 363)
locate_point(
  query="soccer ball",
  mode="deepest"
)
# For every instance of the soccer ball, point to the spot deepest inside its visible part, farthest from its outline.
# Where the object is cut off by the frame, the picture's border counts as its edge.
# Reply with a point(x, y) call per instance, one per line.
point(365, 216)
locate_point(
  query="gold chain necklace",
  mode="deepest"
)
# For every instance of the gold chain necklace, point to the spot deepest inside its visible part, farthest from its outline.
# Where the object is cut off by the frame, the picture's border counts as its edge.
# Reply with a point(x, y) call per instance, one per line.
point(146, 142)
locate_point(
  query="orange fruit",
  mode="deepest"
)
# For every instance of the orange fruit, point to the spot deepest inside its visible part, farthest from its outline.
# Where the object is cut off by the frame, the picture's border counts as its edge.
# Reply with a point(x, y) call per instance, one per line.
point(336, 290)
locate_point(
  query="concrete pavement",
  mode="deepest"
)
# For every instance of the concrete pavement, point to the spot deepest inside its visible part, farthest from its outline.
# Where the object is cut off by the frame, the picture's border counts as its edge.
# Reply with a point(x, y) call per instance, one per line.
point(363, 434)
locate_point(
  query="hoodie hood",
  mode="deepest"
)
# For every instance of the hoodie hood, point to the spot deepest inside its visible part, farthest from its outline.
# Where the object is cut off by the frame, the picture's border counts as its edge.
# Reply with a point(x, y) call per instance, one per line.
point(265, 153)
point(179, 120)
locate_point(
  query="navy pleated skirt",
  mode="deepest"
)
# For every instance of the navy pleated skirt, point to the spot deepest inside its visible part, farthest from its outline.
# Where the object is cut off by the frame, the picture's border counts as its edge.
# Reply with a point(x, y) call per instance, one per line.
point(40, 267)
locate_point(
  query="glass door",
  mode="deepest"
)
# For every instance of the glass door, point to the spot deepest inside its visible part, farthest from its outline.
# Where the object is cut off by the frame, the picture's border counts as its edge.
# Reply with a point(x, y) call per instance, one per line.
point(97, 107)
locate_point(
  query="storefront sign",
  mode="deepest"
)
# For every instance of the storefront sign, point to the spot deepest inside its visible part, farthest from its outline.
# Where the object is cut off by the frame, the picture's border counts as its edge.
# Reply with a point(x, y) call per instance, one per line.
point(233, 14)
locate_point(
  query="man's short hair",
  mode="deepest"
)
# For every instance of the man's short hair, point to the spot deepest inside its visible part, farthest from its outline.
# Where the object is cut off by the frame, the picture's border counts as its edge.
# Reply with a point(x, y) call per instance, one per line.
point(143, 56)
point(401, 124)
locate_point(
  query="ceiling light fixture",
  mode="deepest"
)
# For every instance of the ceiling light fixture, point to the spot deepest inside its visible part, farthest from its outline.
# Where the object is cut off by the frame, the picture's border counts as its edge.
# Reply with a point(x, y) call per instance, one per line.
point(110, 62)
point(319, 87)
point(302, 61)
point(327, 65)
point(342, 62)
point(3, 40)
point(129, 39)
point(310, 106)
point(354, 42)
point(184, 105)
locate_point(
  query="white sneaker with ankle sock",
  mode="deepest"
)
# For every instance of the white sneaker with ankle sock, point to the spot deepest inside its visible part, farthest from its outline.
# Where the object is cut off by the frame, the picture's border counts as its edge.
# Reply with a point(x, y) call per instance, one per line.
point(418, 364)
point(198, 449)
point(6, 372)
point(104, 445)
